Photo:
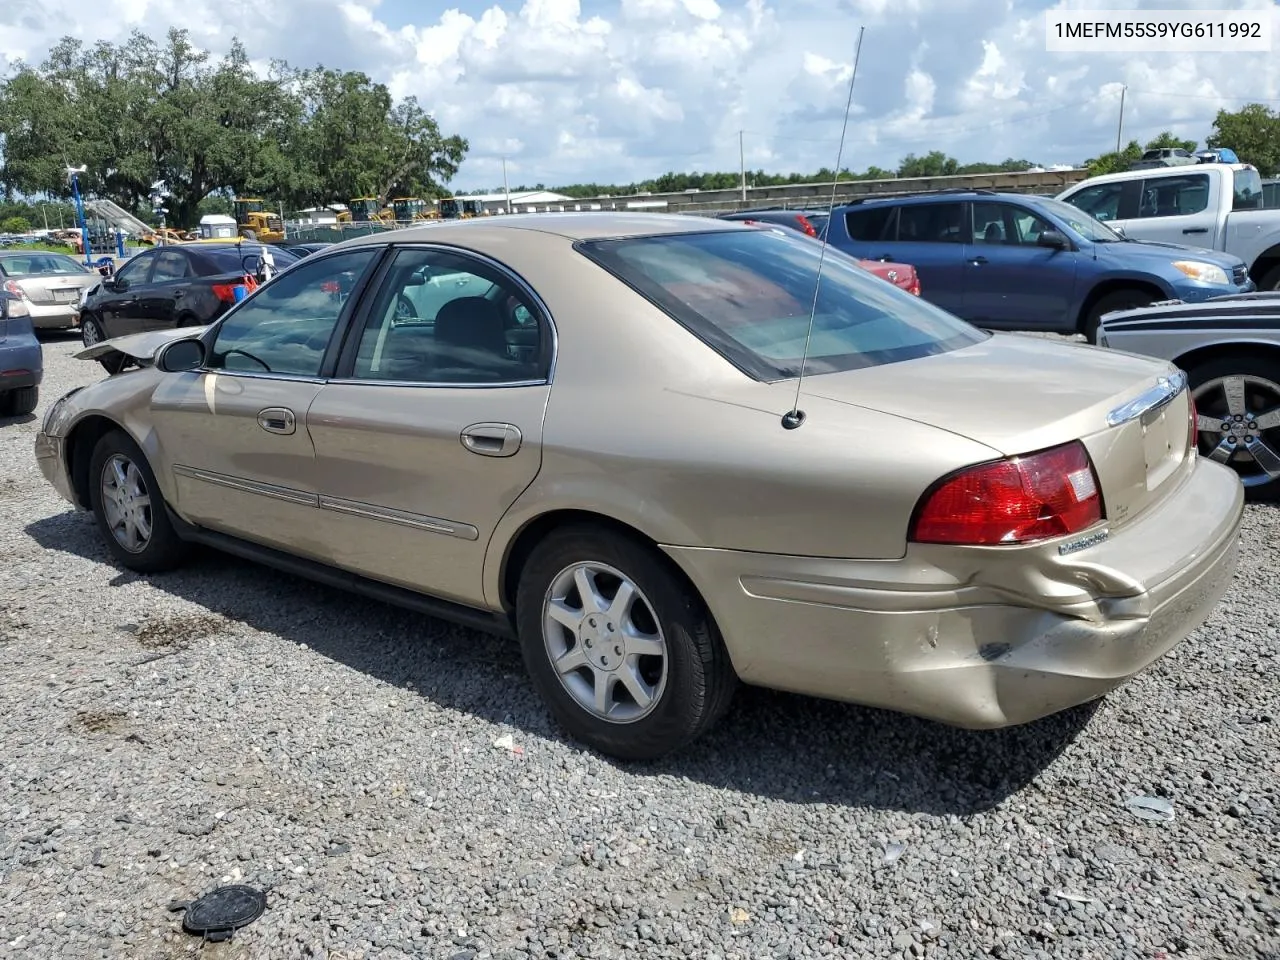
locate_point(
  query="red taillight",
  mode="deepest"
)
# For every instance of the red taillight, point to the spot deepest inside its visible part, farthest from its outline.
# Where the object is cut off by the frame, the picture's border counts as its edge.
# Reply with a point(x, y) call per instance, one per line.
point(806, 226)
point(1020, 500)
point(11, 286)
point(330, 287)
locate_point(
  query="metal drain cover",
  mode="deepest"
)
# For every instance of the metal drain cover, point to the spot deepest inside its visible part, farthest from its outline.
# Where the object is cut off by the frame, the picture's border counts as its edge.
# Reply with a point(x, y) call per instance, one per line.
point(219, 914)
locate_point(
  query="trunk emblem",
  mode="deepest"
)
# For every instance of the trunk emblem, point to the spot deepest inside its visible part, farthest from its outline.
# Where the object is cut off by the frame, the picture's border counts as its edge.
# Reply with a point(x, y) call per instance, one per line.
point(1084, 543)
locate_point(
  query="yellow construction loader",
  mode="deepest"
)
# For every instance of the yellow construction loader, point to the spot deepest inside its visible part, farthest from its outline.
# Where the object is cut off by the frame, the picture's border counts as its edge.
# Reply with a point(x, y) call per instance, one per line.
point(454, 208)
point(412, 210)
point(365, 210)
point(257, 221)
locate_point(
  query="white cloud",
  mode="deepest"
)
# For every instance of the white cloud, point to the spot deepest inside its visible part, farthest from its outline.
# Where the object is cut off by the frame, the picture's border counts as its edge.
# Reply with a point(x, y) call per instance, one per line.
point(613, 90)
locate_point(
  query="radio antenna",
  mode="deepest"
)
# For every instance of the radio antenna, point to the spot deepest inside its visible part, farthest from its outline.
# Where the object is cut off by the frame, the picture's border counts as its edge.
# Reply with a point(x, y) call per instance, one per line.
point(795, 416)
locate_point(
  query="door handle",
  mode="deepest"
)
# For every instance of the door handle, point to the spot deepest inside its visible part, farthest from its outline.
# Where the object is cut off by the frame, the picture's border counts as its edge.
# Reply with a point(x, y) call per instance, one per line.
point(179, 294)
point(492, 439)
point(978, 261)
point(277, 420)
point(1196, 230)
point(885, 258)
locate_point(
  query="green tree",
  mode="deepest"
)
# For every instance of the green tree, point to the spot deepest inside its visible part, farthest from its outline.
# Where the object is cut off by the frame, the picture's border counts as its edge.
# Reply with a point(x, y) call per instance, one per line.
point(1253, 132)
point(16, 225)
point(933, 164)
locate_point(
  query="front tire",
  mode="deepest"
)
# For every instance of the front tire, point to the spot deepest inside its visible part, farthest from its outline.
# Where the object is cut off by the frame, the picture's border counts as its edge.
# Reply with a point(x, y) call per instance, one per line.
point(1241, 394)
point(91, 331)
point(129, 508)
point(1110, 303)
point(620, 647)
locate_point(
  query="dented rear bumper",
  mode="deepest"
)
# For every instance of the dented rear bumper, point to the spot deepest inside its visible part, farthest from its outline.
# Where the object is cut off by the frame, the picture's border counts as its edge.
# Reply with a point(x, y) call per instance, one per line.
point(980, 637)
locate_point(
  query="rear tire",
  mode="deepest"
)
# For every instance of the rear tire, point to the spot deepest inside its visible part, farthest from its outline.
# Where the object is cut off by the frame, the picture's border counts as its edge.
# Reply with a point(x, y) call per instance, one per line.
point(20, 402)
point(130, 509)
point(1109, 303)
point(666, 645)
point(1270, 280)
point(1260, 378)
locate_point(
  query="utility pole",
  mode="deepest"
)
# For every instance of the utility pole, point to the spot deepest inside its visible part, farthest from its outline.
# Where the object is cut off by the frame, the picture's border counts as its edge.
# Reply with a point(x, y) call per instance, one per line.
point(505, 188)
point(742, 164)
point(1120, 126)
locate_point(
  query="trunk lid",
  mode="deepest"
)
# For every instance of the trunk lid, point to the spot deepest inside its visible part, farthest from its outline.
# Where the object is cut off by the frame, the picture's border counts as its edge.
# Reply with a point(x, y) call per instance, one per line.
point(1020, 394)
point(50, 289)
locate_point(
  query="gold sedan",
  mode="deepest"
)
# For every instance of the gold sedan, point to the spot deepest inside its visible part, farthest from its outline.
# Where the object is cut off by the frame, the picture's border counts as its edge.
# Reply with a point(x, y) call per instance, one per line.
point(589, 431)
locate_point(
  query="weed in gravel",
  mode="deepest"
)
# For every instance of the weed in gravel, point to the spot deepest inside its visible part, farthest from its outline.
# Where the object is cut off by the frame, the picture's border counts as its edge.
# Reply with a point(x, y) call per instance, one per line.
point(180, 630)
point(100, 721)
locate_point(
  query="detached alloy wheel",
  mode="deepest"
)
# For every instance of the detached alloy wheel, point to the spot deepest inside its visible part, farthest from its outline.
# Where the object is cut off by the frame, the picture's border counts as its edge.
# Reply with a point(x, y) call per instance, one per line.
point(619, 646)
point(1238, 419)
point(129, 507)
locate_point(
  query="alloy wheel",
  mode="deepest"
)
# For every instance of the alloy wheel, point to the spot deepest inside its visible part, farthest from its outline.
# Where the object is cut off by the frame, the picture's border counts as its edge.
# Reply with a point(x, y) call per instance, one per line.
point(1238, 419)
point(126, 503)
point(604, 642)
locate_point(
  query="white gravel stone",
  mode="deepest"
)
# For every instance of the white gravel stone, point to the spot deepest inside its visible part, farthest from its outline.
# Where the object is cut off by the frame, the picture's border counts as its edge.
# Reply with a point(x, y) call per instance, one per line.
point(230, 724)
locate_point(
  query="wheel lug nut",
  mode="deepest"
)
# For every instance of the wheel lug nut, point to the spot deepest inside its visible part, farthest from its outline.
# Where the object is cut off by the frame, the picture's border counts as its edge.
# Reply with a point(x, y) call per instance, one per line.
point(617, 651)
point(604, 661)
point(588, 643)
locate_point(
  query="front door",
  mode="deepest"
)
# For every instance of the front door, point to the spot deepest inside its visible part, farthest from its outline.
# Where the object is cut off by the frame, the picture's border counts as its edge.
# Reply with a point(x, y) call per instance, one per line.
point(433, 425)
point(234, 433)
point(1012, 282)
point(158, 303)
point(118, 303)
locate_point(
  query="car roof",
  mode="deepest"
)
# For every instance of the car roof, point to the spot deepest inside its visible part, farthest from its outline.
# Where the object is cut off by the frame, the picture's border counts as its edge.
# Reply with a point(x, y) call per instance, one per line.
point(940, 196)
point(1147, 172)
point(571, 226)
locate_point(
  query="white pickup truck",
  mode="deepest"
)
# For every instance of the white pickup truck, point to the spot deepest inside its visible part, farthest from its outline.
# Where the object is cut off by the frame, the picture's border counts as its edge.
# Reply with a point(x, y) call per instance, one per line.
point(1213, 205)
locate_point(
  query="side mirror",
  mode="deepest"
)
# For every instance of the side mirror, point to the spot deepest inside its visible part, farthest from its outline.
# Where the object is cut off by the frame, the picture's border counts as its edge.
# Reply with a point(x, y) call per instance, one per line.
point(1053, 239)
point(116, 284)
point(416, 279)
point(1118, 229)
point(180, 356)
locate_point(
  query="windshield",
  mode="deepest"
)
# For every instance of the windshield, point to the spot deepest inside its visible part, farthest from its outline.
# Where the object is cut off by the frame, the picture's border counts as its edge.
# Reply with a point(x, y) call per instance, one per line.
point(40, 265)
point(748, 295)
point(1079, 221)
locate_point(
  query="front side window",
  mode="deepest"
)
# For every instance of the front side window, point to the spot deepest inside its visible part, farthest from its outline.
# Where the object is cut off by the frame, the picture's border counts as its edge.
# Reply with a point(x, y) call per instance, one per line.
point(1006, 225)
point(286, 326)
point(1102, 202)
point(443, 317)
point(135, 271)
point(1174, 196)
point(749, 296)
point(931, 223)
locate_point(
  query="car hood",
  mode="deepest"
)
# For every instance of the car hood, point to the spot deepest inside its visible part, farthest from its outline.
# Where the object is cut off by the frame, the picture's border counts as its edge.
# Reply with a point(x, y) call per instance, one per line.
point(140, 346)
point(1011, 392)
point(1152, 250)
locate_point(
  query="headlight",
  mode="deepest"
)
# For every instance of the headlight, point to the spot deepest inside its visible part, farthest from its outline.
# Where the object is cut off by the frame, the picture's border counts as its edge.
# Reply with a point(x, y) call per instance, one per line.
point(1204, 272)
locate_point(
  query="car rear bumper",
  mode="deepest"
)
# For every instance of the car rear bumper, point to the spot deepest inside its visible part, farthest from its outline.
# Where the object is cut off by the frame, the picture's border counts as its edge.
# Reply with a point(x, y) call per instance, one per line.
point(54, 316)
point(911, 635)
point(21, 366)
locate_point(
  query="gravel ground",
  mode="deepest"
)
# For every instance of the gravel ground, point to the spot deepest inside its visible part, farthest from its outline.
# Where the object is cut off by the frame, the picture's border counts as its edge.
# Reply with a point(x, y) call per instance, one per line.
point(228, 723)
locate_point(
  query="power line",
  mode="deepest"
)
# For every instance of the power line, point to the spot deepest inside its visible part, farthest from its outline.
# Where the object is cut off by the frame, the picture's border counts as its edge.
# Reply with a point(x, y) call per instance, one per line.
point(1205, 96)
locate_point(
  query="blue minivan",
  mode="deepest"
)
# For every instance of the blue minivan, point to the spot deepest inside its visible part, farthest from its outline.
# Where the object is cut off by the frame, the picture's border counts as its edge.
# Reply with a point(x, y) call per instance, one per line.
point(1009, 261)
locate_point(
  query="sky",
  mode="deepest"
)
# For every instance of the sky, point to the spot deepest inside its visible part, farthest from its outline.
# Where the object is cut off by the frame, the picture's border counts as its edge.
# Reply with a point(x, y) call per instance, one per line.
point(615, 91)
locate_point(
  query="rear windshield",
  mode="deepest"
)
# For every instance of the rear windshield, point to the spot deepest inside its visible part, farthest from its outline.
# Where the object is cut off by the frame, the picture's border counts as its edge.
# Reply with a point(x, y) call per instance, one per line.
point(749, 296)
point(39, 265)
point(1248, 190)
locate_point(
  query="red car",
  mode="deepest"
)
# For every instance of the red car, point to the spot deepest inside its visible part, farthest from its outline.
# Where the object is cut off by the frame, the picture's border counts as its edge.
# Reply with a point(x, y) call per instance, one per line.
point(811, 223)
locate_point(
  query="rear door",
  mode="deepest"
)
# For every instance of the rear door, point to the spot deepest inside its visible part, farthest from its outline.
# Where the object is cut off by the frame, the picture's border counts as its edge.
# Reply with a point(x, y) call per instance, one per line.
point(1178, 208)
point(1012, 282)
point(432, 426)
point(931, 237)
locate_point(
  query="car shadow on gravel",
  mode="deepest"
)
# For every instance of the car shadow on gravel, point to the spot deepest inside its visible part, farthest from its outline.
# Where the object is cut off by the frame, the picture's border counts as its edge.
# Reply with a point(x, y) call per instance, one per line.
point(773, 745)
point(14, 421)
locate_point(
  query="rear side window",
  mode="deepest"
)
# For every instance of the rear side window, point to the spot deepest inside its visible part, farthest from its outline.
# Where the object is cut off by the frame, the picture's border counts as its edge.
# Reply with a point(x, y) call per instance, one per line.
point(869, 223)
point(1247, 190)
point(931, 223)
point(748, 295)
point(1174, 196)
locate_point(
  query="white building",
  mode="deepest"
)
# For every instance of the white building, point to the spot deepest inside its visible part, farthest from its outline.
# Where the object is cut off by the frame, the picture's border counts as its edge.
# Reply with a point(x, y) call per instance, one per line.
point(522, 201)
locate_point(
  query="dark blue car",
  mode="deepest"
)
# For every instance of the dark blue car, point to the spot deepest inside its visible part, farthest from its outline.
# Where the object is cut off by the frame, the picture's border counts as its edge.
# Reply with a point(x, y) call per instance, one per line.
point(1018, 262)
point(21, 359)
